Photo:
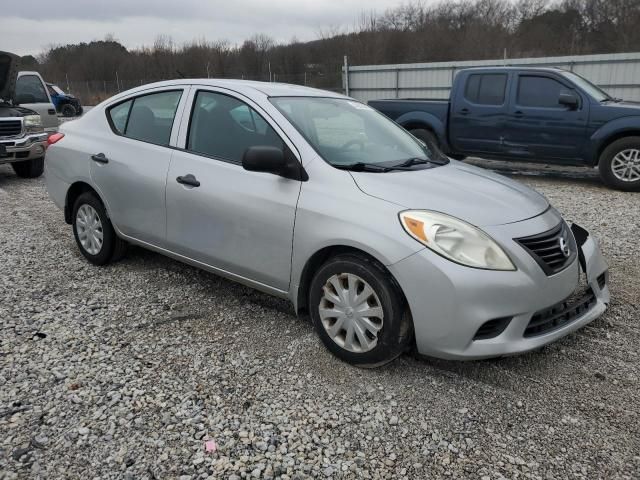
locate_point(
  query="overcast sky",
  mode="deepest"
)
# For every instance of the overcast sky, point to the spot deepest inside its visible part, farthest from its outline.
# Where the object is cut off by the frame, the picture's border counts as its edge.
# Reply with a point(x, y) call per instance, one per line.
point(30, 26)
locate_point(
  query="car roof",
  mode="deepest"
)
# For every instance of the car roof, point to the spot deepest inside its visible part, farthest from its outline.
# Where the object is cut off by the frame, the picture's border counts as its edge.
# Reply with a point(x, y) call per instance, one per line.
point(270, 89)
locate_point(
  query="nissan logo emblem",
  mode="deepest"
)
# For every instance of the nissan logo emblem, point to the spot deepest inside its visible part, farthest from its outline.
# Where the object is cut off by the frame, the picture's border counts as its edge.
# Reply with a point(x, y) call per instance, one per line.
point(564, 246)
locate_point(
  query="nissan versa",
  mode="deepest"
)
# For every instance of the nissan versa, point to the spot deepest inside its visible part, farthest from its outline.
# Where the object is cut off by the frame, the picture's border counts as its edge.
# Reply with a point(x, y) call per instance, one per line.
point(314, 197)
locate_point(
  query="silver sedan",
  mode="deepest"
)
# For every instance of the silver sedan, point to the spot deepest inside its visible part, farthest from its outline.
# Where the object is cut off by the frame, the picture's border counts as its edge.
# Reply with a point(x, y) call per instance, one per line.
point(312, 196)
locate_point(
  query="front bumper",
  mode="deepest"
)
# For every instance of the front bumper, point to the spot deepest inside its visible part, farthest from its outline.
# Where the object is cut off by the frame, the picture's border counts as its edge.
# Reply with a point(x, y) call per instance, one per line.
point(449, 302)
point(28, 147)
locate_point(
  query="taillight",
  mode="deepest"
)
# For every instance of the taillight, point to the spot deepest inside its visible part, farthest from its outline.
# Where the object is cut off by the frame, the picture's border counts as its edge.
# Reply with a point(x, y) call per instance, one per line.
point(56, 137)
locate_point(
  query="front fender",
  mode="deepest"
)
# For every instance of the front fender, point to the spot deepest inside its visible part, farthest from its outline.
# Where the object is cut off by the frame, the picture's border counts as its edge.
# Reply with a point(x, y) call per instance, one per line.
point(614, 128)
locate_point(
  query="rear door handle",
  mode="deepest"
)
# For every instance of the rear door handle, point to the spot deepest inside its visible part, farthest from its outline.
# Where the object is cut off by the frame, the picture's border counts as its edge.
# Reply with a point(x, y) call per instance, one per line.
point(100, 158)
point(188, 180)
point(518, 113)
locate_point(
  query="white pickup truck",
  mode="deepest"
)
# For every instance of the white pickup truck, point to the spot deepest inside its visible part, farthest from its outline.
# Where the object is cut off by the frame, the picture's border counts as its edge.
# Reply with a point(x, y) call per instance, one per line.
point(27, 118)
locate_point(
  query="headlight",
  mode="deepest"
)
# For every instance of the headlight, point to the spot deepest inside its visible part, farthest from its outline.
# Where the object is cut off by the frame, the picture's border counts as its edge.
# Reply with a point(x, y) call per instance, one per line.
point(33, 123)
point(456, 240)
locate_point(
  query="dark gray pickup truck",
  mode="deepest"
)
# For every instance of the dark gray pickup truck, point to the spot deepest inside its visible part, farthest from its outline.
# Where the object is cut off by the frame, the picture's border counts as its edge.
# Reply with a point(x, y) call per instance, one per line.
point(543, 115)
point(23, 139)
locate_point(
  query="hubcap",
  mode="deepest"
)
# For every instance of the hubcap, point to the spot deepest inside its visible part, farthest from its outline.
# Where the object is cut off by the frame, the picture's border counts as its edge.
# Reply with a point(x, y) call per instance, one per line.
point(351, 312)
point(89, 228)
point(626, 165)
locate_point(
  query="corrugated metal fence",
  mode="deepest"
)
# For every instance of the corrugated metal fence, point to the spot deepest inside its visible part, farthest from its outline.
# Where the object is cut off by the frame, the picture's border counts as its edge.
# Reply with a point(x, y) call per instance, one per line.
point(618, 74)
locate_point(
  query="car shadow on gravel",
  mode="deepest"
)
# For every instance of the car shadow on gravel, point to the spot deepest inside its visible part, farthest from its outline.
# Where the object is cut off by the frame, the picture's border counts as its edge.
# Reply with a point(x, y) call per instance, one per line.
point(580, 175)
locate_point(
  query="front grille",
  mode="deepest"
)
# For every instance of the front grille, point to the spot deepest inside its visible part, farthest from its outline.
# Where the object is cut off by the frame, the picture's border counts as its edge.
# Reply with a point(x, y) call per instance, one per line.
point(552, 250)
point(10, 128)
point(561, 314)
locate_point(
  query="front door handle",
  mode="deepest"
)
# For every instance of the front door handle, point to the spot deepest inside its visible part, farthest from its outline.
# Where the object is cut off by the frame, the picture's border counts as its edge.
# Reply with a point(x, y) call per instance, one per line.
point(188, 180)
point(464, 111)
point(518, 113)
point(100, 158)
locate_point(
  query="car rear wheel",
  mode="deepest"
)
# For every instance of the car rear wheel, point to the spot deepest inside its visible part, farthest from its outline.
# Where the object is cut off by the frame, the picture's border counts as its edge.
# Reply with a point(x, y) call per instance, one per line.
point(29, 168)
point(93, 231)
point(359, 312)
point(68, 110)
point(619, 164)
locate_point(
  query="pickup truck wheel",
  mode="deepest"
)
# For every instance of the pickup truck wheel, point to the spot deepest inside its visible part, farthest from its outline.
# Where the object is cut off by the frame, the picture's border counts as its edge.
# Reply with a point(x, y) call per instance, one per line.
point(29, 168)
point(426, 136)
point(68, 110)
point(359, 312)
point(619, 164)
point(431, 140)
point(94, 232)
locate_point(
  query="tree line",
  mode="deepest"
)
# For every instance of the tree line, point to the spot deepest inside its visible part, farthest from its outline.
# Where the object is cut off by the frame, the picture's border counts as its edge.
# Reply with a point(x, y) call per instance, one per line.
point(413, 32)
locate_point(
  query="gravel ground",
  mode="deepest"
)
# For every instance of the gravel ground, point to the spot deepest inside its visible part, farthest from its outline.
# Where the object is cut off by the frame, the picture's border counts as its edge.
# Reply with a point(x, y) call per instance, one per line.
point(126, 371)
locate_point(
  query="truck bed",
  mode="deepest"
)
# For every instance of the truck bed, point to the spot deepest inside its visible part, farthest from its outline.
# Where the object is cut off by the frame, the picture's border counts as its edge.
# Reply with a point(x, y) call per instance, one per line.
point(395, 108)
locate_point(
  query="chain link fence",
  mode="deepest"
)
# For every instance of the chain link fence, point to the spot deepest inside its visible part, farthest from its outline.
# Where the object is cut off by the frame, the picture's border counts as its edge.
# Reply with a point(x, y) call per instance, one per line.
point(92, 92)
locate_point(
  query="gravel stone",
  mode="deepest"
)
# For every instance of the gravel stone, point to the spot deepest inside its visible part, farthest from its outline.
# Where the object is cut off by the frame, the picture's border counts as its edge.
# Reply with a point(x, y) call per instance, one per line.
point(148, 358)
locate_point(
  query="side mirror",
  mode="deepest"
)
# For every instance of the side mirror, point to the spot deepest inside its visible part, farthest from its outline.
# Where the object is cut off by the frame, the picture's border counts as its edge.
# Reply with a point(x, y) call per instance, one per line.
point(273, 160)
point(25, 98)
point(569, 100)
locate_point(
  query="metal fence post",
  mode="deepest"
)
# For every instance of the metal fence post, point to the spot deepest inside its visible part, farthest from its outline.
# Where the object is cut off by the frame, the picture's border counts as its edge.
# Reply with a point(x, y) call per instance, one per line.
point(346, 76)
point(397, 83)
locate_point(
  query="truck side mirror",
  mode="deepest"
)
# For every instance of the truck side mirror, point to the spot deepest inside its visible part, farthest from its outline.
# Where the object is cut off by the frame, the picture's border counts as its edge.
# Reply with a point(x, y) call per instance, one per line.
point(569, 100)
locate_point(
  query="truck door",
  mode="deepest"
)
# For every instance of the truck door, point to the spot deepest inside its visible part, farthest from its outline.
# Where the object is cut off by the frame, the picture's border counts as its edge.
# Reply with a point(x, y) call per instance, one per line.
point(31, 93)
point(538, 126)
point(478, 112)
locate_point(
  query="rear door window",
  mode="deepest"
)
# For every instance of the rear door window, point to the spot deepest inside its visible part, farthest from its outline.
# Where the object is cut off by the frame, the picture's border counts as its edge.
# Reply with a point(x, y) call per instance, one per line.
point(148, 118)
point(486, 89)
point(541, 92)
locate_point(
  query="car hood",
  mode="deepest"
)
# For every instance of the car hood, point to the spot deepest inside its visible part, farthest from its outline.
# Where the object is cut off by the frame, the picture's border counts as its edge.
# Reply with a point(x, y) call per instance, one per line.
point(9, 64)
point(469, 193)
point(14, 111)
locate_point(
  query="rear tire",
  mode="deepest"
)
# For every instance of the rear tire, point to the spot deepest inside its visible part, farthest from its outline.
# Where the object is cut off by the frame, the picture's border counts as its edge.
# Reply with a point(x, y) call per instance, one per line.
point(93, 231)
point(619, 164)
point(363, 286)
point(428, 137)
point(29, 168)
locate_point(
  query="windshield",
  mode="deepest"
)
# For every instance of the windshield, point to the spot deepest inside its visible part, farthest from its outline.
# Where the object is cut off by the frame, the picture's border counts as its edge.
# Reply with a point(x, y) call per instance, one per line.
point(346, 132)
point(596, 92)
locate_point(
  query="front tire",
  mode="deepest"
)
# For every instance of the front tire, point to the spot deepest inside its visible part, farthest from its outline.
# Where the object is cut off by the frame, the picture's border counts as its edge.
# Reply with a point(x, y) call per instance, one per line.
point(359, 311)
point(619, 164)
point(29, 168)
point(93, 231)
point(68, 110)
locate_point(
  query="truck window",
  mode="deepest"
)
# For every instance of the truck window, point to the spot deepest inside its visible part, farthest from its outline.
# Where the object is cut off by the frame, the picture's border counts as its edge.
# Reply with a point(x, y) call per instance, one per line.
point(31, 86)
point(486, 89)
point(541, 92)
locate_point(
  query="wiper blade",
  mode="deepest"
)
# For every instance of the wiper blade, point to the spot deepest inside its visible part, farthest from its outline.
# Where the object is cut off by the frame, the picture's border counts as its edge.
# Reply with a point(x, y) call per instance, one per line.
point(417, 161)
point(361, 167)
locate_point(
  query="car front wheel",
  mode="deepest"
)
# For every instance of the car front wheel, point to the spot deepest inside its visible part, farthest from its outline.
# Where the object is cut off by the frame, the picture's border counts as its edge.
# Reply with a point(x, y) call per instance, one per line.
point(359, 312)
point(68, 110)
point(619, 164)
point(93, 231)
